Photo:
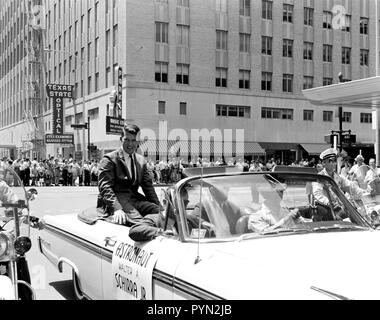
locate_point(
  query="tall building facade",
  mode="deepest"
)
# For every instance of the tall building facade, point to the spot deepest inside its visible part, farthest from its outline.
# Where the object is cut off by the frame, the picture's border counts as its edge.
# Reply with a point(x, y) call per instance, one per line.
point(192, 69)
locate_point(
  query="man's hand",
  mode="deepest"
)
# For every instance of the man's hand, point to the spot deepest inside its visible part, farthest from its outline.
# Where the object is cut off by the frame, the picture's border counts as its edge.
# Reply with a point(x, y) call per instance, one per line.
point(120, 217)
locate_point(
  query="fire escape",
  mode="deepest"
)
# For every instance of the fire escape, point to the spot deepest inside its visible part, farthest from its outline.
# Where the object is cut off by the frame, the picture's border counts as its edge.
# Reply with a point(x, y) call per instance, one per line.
point(33, 140)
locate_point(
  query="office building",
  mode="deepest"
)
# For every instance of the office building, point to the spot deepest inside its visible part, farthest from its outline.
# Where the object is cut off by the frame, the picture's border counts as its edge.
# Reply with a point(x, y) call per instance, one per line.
point(191, 65)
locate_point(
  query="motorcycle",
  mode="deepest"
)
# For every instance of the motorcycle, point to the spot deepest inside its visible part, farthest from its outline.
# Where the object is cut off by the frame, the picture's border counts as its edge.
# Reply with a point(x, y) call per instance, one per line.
point(15, 242)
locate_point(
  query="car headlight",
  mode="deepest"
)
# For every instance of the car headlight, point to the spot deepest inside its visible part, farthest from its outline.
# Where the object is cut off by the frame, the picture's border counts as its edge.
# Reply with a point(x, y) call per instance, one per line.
point(4, 245)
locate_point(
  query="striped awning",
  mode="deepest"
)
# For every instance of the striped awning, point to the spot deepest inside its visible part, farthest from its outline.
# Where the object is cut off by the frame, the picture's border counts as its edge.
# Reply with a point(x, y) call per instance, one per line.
point(253, 148)
point(315, 148)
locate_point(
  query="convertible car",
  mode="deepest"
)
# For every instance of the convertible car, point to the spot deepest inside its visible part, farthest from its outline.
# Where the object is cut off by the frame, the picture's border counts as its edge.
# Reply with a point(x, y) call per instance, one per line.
point(257, 236)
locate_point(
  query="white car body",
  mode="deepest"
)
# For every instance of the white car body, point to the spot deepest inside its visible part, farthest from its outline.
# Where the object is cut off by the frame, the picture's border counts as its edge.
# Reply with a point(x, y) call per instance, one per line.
point(323, 265)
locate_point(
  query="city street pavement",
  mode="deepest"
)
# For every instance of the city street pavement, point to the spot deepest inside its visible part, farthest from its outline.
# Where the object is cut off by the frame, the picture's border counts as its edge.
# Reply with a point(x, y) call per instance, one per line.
point(47, 281)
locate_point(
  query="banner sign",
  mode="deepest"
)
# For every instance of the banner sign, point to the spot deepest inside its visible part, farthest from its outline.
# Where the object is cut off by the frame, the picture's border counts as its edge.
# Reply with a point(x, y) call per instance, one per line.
point(67, 139)
point(58, 92)
point(114, 125)
point(132, 269)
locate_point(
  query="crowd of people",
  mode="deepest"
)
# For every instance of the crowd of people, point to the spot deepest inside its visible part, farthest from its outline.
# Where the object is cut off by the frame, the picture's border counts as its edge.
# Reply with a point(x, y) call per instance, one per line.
point(69, 172)
point(54, 171)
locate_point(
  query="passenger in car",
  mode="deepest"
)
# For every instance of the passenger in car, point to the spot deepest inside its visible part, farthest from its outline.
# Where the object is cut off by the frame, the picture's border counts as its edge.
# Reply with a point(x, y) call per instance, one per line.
point(322, 195)
point(121, 173)
point(272, 215)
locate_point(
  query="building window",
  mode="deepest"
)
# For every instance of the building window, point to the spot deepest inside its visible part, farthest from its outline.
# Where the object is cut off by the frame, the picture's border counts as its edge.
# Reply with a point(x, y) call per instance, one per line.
point(308, 115)
point(97, 82)
point(182, 73)
point(183, 108)
point(327, 81)
point(327, 19)
point(308, 14)
point(287, 15)
point(364, 57)
point(89, 85)
point(183, 35)
point(108, 77)
point(308, 51)
point(327, 53)
point(183, 3)
point(161, 107)
point(365, 117)
point(221, 40)
point(347, 117)
point(233, 111)
point(346, 55)
point(245, 8)
point(161, 72)
point(221, 77)
point(221, 6)
point(276, 113)
point(307, 82)
point(266, 46)
point(266, 81)
point(245, 42)
point(244, 79)
point(363, 25)
point(287, 83)
point(287, 48)
point(347, 23)
point(93, 113)
point(162, 32)
point(327, 116)
point(267, 9)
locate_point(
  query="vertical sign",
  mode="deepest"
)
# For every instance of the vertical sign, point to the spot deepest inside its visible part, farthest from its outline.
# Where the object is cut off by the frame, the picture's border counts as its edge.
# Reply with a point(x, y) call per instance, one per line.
point(57, 116)
point(119, 91)
point(58, 92)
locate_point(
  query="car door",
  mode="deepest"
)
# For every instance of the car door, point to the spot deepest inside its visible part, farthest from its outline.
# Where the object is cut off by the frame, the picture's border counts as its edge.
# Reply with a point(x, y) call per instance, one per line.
point(124, 271)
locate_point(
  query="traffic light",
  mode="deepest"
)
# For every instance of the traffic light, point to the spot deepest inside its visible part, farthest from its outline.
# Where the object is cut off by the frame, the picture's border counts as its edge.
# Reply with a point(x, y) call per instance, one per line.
point(92, 148)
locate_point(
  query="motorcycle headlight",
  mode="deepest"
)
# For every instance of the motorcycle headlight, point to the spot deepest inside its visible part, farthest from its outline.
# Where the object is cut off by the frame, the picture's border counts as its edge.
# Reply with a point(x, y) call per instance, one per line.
point(4, 245)
point(22, 245)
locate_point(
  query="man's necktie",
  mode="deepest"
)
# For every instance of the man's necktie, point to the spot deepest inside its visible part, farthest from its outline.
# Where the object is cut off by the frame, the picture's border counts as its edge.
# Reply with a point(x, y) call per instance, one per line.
point(132, 169)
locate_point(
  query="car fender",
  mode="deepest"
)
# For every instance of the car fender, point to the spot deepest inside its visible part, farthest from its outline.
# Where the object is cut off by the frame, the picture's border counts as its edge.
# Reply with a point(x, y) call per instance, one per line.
point(7, 291)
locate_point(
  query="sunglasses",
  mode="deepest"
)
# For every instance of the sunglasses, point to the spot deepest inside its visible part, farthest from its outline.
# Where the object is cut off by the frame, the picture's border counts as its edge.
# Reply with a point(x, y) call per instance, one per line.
point(331, 161)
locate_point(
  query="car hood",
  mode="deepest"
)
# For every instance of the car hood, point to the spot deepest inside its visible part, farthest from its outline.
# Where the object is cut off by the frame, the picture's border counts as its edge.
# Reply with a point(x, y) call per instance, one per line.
point(334, 265)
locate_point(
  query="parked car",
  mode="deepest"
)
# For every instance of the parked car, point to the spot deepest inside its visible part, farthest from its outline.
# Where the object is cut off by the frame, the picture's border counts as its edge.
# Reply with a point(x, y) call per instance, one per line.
point(228, 257)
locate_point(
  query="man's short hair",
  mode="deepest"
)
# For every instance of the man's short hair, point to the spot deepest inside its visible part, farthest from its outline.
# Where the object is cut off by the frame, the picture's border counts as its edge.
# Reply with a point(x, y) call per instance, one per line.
point(131, 128)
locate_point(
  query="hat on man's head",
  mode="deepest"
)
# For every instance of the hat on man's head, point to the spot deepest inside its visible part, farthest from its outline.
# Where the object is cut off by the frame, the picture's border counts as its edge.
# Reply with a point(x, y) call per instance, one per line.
point(359, 157)
point(131, 128)
point(328, 153)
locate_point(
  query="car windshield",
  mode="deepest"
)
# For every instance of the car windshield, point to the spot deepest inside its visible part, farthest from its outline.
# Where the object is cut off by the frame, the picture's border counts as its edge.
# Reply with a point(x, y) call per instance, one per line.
point(257, 205)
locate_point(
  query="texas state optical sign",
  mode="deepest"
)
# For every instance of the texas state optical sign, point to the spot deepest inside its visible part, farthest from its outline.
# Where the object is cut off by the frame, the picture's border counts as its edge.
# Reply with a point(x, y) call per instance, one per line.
point(58, 92)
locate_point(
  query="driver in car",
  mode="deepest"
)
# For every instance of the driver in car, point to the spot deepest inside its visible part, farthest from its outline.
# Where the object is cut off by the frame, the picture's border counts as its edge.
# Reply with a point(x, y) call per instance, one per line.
point(272, 215)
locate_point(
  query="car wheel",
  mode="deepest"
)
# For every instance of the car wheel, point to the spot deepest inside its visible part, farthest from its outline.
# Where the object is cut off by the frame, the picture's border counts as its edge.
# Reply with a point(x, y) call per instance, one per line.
point(77, 290)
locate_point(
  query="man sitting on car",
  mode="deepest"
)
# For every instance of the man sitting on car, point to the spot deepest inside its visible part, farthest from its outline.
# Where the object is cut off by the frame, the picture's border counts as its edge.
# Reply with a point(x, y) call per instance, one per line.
point(121, 173)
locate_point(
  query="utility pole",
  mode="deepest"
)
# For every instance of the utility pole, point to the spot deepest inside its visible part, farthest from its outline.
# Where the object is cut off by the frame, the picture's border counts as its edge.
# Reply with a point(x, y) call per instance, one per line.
point(88, 138)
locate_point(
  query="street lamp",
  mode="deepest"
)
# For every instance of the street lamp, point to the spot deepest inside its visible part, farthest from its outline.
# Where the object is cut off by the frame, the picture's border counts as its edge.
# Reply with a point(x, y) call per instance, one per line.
point(83, 98)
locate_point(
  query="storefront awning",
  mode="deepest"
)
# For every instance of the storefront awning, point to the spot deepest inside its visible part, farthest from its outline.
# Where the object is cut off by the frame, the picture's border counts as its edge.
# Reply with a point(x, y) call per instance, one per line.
point(253, 148)
point(315, 148)
point(278, 146)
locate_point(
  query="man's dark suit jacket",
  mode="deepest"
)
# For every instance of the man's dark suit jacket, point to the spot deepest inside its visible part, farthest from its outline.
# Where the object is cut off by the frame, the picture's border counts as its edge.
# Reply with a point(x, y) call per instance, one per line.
point(115, 178)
